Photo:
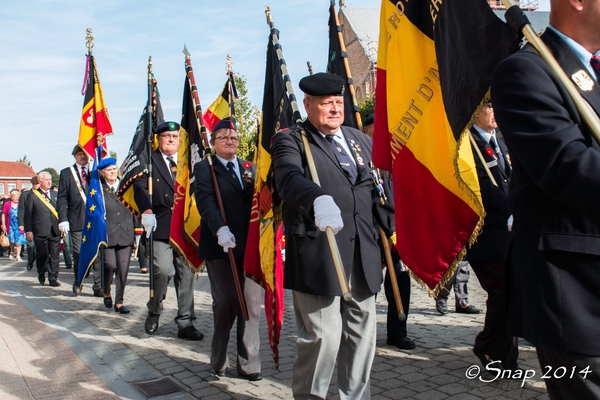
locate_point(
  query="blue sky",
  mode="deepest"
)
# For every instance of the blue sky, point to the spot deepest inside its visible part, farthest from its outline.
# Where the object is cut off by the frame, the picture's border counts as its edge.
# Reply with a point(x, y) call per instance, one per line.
point(42, 55)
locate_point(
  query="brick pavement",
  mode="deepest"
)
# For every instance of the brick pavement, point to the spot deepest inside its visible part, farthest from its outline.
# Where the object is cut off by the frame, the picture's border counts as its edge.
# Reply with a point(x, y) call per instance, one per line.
point(54, 345)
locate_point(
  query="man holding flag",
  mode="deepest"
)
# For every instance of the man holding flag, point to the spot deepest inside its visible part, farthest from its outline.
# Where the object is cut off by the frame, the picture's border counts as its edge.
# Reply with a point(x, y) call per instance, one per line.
point(553, 260)
point(156, 217)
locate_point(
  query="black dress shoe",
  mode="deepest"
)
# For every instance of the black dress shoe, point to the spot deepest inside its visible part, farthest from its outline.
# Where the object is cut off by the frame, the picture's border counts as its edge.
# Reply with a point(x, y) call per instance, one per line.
point(99, 293)
point(76, 289)
point(122, 309)
point(108, 302)
point(441, 306)
point(220, 374)
point(68, 266)
point(190, 333)
point(29, 267)
point(54, 283)
point(252, 377)
point(143, 270)
point(404, 343)
point(42, 278)
point(151, 325)
point(470, 309)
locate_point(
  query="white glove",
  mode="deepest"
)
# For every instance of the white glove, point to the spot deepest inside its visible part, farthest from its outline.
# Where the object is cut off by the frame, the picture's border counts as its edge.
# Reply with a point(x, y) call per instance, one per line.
point(327, 213)
point(225, 238)
point(509, 223)
point(64, 227)
point(149, 223)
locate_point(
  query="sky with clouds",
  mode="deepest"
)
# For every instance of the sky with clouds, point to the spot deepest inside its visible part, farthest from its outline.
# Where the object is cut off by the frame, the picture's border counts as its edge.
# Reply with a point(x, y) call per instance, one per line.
point(42, 56)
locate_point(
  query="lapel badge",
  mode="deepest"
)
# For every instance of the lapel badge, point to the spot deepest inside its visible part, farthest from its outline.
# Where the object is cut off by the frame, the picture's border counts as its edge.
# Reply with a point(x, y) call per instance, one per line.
point(583, 80)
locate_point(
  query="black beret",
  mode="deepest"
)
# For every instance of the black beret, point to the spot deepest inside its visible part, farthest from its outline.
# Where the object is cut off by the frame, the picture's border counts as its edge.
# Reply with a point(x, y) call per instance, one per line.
point(323, 84)
point(76, 149)
point(225, 123)
point(167, 127)
point(369, 120)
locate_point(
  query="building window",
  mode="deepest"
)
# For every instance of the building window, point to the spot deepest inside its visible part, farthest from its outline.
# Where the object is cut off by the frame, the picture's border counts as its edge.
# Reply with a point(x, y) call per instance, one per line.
point(26, 185)
point(1, 188)
point(11, 186)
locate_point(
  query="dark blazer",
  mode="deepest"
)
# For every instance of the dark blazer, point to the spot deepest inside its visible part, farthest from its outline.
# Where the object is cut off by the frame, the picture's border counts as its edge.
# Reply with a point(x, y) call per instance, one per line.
point(162, 196)
point(38, 217)
point(553, 260)
point(309, 266)
point(119, 220)
point(22, 204)
point(491, 243)
point(237, 203)
point(71, 206)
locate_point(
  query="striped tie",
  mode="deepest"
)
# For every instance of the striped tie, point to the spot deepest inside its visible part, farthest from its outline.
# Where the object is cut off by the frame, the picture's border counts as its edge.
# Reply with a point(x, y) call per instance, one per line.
point(595, 61)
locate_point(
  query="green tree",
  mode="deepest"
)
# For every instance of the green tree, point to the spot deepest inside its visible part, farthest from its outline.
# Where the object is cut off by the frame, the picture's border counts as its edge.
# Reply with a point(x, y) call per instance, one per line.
point(112, 154)
point(24, 160)
point(54, 175)
point(246, 116)
point(366, 105)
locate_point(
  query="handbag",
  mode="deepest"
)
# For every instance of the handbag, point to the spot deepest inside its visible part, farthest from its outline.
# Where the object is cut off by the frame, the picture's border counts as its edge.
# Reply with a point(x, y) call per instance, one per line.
point(4, 242)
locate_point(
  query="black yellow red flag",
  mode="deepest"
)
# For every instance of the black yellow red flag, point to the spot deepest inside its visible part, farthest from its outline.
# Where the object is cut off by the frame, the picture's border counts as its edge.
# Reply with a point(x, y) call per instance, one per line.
point(223, 106)
point(434, 65)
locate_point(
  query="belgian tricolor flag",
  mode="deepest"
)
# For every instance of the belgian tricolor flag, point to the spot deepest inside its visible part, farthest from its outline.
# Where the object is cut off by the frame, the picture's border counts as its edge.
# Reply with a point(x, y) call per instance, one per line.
point(223, 106)
point(95, 123)
point(435, 62)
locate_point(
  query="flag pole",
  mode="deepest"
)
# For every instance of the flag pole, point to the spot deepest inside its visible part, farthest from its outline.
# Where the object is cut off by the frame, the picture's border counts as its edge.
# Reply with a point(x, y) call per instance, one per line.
point(347, 67)
point(230, 86)
point(393, 277)
point(148, 133)
point(587, 113)
point(335, 253)
point(204, 134)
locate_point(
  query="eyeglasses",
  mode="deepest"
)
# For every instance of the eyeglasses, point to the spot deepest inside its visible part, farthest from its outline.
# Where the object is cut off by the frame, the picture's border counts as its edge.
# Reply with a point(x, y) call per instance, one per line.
point(489, 105)
point(226, 138)
point(167, 136)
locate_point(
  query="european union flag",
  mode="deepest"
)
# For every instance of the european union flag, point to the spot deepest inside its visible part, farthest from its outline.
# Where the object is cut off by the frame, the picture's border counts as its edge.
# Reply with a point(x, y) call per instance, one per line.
point(93, 235)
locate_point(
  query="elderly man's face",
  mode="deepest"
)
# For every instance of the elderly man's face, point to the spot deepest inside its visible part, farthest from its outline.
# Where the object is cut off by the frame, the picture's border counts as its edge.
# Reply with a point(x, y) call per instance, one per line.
point(485, 120)
point(225, 142)
point(45, 182)
point(168, 142)
point(81, 158)
point(109, 173)
point(326, 113)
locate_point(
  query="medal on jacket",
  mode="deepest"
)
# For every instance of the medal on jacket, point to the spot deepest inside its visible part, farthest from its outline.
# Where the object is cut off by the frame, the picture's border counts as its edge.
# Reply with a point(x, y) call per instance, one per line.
point(378, 182)
point(583, 80)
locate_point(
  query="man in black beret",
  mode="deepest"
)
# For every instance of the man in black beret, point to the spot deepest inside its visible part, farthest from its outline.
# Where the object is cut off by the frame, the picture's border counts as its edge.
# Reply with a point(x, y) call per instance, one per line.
point(156, 216)
point(345, 201)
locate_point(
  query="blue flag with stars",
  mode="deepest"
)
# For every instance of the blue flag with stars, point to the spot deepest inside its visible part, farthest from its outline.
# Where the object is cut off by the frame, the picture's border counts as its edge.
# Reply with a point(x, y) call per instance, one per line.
point(93, 235)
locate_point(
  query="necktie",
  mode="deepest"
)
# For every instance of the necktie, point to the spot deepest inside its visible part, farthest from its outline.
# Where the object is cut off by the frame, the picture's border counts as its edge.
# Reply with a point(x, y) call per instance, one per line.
point(47, 194)
point(173, 167)
point(498, 153)
point(595, 61)
point(343, 158)
point(83, 178)
point(232, 172)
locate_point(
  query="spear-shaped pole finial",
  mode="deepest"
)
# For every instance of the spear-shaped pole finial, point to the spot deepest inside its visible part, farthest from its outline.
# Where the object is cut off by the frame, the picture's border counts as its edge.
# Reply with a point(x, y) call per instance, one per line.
point(90, 40)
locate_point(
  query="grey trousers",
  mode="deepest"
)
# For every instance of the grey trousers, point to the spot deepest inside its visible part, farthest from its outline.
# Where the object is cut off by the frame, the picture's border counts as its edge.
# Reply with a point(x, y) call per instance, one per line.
point(116, 259)
point(167, 267)
point(226, 309)
point(328, 329)
point(96, 267)
point(459, 282)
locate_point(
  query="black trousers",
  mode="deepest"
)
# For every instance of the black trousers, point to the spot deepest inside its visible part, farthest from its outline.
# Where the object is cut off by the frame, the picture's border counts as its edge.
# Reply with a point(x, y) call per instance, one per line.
point(574, 382)
point(117, 259)
point(494, 341)
point(395, 327)
point(47, 248)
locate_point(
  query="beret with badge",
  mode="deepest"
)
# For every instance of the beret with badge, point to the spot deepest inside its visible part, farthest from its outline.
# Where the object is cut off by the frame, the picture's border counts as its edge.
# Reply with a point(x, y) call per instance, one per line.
point(168, 126)
point(322, 84)
point(107, 162)
point(225, 123)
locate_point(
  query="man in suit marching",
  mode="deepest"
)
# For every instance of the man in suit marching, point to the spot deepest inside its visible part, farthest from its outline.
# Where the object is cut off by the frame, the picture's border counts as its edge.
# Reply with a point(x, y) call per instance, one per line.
point(41, 227)
point(72, 186)
point(156, 216)
point(493, 344)
point(553, 259)
point(235, 178)
point(329, 328)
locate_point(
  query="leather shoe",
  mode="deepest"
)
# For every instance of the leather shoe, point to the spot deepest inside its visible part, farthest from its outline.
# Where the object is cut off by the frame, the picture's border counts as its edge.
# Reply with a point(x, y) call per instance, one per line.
point(470, 309)
point(151, 325)
point(42, 278)
point(76, 289)
point(220, 374)
point(99, 293)
point(441, 306)
point(108, 302)
point(190, 333)
point(29, 267)
point(68, 266)
point(54, 283)
point(252, 377)
point(122, 309)
point(404, 343)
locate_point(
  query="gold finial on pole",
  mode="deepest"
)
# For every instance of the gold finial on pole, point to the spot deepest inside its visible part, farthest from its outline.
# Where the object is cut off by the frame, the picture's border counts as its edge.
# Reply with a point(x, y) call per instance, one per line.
point(90, 40)
point(229, 63)
point(268, 14)
point(150, 64)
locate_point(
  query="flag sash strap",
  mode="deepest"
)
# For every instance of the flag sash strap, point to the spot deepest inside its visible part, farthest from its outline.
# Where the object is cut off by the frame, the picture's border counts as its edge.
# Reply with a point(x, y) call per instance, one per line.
point(76, 178)
point(46, 202)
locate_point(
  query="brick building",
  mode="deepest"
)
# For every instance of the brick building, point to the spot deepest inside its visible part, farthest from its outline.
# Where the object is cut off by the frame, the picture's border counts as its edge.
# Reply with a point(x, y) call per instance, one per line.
point(360, 31)
point(14, 175)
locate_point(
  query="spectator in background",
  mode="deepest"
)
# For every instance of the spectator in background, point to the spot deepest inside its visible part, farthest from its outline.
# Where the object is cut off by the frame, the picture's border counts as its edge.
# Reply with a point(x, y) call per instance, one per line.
point(22, 201)
point(10, 225)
